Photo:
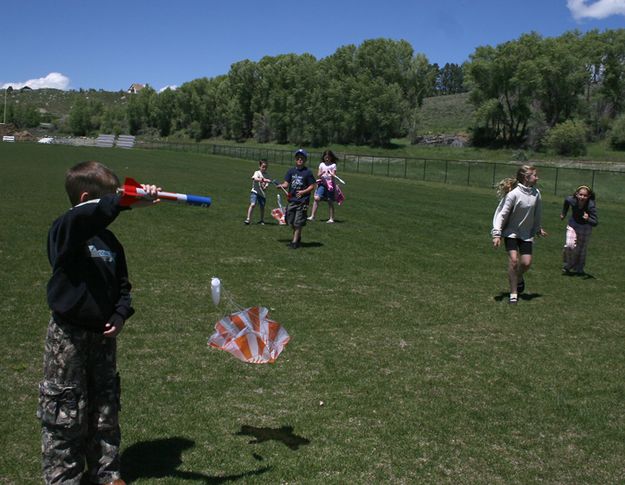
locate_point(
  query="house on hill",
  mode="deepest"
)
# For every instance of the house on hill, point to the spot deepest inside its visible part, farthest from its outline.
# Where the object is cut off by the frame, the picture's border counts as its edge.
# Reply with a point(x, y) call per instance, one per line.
point(135, 88)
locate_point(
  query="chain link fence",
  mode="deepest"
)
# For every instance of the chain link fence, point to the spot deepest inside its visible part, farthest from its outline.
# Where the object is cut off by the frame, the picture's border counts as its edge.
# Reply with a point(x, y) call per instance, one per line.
point(608, 184)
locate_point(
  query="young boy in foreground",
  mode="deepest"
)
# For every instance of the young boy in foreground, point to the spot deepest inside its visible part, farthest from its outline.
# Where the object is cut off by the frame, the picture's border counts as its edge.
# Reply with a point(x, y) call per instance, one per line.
point(89, 296)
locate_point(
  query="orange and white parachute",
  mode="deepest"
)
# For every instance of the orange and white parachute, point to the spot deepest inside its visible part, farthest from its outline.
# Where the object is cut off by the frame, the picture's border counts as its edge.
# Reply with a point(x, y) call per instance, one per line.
point(250, 336)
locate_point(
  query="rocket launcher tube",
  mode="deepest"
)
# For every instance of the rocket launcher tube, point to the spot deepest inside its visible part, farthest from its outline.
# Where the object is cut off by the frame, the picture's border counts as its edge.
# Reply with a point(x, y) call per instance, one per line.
point(133, 192)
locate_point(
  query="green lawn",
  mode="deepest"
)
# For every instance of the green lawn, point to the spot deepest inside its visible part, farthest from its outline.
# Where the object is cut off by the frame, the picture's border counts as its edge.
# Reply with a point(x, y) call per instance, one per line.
point(398, 319)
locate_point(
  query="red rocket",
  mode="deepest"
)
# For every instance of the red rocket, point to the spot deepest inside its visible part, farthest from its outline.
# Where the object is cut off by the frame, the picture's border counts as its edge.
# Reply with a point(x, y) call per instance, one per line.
point(133, 192)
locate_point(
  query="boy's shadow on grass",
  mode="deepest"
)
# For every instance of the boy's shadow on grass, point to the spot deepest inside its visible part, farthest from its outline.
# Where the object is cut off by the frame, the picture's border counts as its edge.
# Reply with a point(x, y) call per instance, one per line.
point(523, 296)
point(584, 276)
point(284, 435)
point(303, 244)
point(161, 459)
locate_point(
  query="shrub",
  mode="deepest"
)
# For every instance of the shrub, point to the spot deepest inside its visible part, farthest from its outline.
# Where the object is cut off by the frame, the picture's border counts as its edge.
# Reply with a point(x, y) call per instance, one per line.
point(567, 138)
point(617, 134)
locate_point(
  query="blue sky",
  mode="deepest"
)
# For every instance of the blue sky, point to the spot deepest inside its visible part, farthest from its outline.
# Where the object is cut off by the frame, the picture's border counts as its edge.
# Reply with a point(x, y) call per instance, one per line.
point(72, 44)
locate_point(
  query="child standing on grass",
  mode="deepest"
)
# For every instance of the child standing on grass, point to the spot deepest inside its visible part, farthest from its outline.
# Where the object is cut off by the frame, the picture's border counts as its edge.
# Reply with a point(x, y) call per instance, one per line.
point(299, 182)
point(326, 185)
point(89, 296)
point(579, 227)
point(260, 182)
point(518, 219)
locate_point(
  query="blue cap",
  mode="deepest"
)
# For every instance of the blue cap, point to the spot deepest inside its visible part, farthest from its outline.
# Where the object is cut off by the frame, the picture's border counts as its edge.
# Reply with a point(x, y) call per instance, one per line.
point(303, 152)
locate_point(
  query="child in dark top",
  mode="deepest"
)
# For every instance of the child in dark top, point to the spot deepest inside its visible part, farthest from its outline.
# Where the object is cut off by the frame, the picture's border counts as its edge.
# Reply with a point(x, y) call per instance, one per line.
point(299, 182)
point(579, 227)
point(89, 297)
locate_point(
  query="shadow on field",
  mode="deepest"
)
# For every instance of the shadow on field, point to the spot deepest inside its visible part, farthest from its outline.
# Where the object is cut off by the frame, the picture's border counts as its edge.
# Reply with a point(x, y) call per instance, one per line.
point(284, 435)
point(584, 276)
point(503, 296)
point(161, 459)
point(303, 244)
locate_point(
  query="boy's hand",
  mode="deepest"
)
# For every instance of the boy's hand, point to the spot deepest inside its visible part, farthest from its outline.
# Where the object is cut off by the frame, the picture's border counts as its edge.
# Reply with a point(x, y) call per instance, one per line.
point(113, 327)
point(152, 194)
point(496, 241)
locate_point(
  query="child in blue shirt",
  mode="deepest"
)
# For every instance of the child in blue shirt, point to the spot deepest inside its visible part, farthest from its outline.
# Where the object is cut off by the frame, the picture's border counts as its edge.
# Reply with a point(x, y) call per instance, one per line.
point(299, 183)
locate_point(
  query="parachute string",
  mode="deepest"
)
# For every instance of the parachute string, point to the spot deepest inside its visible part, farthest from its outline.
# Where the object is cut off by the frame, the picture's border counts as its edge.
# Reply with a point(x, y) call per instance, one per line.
point(230, 306)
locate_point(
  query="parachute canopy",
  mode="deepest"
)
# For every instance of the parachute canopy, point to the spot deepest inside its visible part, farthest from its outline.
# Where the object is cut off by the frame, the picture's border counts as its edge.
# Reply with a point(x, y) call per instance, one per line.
point(250, 336)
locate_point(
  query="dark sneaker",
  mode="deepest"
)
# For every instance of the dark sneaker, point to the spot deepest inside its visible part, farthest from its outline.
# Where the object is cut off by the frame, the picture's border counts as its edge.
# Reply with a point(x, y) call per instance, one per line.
point(262, 223)
point(520, 288)
point(293, 245)
point(246, 222)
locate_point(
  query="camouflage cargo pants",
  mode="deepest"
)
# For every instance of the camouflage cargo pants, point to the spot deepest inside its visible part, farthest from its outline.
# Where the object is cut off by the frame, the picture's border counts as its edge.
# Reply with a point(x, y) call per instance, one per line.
point(79, 406)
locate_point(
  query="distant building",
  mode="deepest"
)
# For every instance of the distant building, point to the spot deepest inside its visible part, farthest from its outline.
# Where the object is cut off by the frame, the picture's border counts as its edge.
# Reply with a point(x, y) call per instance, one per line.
point(135, 88)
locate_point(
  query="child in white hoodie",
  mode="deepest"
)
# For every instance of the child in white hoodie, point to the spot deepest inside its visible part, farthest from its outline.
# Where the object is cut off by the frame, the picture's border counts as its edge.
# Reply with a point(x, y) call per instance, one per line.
point(517, 220)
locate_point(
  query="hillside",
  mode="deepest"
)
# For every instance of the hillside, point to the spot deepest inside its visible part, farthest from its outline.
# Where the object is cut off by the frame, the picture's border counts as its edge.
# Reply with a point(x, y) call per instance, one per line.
point(58, 103)
point(446, 114)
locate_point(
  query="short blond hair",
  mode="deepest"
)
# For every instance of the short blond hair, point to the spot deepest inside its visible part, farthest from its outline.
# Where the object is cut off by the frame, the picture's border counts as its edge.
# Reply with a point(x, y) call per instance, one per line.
point(92, 177)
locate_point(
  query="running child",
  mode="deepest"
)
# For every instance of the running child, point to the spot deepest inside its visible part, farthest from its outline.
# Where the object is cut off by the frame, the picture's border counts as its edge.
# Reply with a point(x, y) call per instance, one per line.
point(579, 227)
point(517, 220)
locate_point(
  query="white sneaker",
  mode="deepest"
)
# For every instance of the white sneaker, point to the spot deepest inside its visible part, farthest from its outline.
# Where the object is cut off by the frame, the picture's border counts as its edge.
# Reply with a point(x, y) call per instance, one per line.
point(330, 221)
point(311, 218)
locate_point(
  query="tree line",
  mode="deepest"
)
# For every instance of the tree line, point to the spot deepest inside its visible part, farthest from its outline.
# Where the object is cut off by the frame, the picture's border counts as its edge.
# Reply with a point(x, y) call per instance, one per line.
point(358, 95)
point(525, 92)
point(533, 87)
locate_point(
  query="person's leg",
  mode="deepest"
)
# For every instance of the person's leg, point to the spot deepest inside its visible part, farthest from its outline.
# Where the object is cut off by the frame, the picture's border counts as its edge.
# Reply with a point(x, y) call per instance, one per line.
point(583, 237)
point(297, 235)
point(261, 208)
point(249, 213)
point(104, 436)
point(523, 266)
point(315, 206)
point(513, 268)
point(570, 248)
point(331, 211)
point(63, 404)
point(300, 211)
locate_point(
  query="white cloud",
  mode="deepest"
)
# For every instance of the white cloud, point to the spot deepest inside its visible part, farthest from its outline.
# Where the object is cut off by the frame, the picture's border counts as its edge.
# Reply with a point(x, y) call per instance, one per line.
point(54, 80)
point(173, 87)
point(598, 10)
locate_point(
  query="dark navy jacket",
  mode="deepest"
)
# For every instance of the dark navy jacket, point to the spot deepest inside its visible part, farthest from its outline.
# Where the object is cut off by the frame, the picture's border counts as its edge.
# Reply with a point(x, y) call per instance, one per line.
point(89, 285)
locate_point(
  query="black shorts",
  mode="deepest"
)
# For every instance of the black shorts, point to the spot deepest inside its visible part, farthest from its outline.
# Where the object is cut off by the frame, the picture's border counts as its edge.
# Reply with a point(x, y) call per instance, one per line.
point(515, 244)
point(296, 214)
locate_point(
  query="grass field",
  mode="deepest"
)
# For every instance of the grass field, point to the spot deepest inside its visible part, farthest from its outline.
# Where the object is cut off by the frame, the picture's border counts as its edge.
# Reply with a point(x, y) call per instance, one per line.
point(398, 319)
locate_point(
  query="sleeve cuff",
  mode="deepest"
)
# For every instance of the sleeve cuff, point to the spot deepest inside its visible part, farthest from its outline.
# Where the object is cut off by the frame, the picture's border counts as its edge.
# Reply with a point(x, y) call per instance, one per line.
point(124, 312)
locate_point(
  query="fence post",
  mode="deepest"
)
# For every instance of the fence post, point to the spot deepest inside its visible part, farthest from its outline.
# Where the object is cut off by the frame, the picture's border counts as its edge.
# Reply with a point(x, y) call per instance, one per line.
point(555, 186)
point(592, 184)
point(425, 164)
point(388, 166)
point(405, 168)
point(446, 168)
point(468, 173)
point(494, 172)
